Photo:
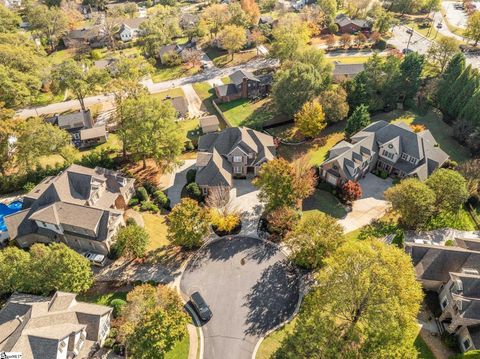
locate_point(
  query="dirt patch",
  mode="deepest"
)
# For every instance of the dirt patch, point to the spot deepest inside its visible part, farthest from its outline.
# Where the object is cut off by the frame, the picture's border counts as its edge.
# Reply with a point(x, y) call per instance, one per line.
point(152, 173)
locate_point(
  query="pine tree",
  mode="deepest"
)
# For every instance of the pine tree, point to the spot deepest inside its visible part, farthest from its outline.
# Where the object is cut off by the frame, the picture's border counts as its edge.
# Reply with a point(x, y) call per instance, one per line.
point(453, 90)
point(464, 95)
point(471, 111)
point(359, 119)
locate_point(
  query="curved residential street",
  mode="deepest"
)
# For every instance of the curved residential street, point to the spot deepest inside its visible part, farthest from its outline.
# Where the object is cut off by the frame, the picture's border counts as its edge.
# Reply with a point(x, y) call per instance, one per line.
point(250, 288)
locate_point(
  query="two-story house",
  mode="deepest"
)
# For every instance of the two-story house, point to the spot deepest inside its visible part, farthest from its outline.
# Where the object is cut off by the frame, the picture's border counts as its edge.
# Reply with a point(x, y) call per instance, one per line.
point(236, 152)
point(244, 84)
point(454, 273)
point(80, 207)
point(81, 127)
point(392, 148)
point(57, 327)
point(130, 28)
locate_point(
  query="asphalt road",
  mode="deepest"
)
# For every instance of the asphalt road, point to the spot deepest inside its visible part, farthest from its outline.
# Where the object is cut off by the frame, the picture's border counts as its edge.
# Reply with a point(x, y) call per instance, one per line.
point(250, 288)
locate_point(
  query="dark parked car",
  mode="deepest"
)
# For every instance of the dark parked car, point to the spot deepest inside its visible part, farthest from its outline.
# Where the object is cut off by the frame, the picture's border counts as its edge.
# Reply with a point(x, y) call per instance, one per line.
point(201, 306)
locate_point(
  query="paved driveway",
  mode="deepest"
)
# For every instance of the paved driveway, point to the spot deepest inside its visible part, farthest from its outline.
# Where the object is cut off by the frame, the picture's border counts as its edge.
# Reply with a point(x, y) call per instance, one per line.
point(244, 197)
point(371, 206)
point(250, 288)
point(178, 179)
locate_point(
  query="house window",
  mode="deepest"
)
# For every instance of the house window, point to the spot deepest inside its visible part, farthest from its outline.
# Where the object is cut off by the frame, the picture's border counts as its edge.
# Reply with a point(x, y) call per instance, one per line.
point(388, 154)
point(466, 344)
point(205, 190)
point(404, 156)
point(412, 160)
point(444, 303)
point(237, 158)
point(237, 169)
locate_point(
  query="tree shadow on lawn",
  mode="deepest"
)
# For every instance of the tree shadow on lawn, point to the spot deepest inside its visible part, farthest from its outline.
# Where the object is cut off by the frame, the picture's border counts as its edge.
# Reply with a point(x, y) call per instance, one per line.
point(273, 299)
point(325, 202)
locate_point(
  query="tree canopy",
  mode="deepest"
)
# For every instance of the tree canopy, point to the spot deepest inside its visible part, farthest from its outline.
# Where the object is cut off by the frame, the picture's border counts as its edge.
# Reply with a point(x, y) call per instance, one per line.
point(290, 36)
point(359, 119)
point(232, 38)
point(9, 21)
point(132, 241)
point(313, 239)
point(450, 189)
point(364, 306)
point(310, 120)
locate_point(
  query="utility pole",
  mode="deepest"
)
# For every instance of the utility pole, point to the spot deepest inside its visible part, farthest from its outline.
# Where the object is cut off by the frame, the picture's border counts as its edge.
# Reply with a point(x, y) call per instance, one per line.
point(410, 38)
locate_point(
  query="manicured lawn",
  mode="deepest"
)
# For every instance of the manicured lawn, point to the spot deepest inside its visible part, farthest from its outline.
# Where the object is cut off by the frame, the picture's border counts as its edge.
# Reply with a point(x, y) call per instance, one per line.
point(206, 94)
point(157, 230)
point(222, 59)
point(423, 349)
point(165, 73)
point(243, 112)
point(103, 299)
point(273, 341)
point(323, 201)
point(319, 153)
point(180, 350)
point(58, 57)
point(191, 128)
point(348, 60)
point(113, 142)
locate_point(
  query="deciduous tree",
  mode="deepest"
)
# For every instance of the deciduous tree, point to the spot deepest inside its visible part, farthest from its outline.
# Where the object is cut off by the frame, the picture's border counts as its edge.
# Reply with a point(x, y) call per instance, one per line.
point(215, 17)
point(351, 191)
point(149, 130)
point(9, 21)
point(441, 52)
point(313, 239)
point(252, 10)
point(49, 23)
point(473, 27)
point(290, 35)
point(364, 306)
point(232, 38)
point(188, 224)
point(310, 120)
point(334, 104)
point(450, 190)
point(132, 241)
point(158, 30)
point(413, 200)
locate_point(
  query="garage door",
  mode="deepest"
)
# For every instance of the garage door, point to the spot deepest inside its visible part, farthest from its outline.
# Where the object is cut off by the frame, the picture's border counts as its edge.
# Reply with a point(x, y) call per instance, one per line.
point(331, 179)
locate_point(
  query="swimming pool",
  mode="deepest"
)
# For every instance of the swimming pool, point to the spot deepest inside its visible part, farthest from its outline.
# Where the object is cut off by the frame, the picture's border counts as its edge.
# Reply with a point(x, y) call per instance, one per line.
point(6, 209)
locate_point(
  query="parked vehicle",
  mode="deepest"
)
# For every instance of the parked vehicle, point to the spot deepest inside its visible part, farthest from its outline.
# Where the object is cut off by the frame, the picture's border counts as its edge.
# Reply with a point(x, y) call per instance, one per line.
point(95, 258)
point(201, 306)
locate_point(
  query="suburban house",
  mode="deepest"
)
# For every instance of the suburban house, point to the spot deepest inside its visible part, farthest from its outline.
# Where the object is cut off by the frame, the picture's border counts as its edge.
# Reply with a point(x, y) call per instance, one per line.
point(52, 327)
point(209, 123)
point(81, 207)
point(130, 28)
point(346, 25)
point(167, 51)
point(11, 3)
point(392, 148)
point(343, 72)
point(453, 273)
point(86, 37)
point(80, 126)
point(244, 84)
point(235, 152)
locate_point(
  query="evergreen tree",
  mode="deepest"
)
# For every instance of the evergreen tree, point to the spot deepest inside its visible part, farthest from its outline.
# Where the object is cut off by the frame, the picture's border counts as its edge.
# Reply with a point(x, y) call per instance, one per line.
point(411, 69)
point(471, 111)
point(455, 67)
point(464, 95)
point(358, 120)
point(452, 90)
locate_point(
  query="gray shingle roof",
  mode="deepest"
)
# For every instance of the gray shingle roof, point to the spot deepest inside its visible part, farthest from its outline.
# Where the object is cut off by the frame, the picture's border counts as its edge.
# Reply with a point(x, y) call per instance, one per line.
point(226, 90)
point(238, 76)
point(348, 69)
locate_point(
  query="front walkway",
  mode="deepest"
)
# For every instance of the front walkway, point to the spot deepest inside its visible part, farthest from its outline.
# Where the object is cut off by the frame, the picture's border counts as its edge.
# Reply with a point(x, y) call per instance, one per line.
point(178, 179)
point(371, 206)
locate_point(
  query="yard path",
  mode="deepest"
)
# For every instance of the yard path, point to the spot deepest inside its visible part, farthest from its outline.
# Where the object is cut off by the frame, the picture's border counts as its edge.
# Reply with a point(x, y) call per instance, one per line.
point(194, 102)
point(436, 345)
point(178, 180)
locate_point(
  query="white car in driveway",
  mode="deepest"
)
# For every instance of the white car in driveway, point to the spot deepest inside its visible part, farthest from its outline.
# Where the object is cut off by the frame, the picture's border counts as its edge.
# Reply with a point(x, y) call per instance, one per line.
point(95, 258)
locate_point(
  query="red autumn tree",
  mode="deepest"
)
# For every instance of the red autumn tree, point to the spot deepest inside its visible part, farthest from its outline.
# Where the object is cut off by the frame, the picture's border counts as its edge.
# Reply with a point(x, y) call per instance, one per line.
point(351, 191)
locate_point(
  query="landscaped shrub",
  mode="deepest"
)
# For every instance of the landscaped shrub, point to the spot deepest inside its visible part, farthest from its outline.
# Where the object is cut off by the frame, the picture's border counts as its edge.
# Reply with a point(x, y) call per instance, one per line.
point(380, 45)
point(224, 222)
point(96, 54)
point(27, 187)
point(351, 191)
point(383, 174)
point(161, 199)
point(133, 202)
point(191, 175)
point(189, 146)
point(450, 340)
point(281, 221)
point(449, 242)
point(150, 187)
point(149, 206)
point(194, 192)
point(130, 222)
point(109, 343)
point(142, 194)
point(97, 158)
point(117, 305)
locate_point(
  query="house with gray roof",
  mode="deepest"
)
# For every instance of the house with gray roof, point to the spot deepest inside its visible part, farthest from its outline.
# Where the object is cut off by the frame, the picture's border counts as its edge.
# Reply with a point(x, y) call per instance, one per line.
point(130, 28)
point(346, 25)
point(235, 152)
point(81, 127)
point(392, 148)
point(453, 272)
point(244, 84)
point(343, 72)
point(52, 327)
point(81, 207)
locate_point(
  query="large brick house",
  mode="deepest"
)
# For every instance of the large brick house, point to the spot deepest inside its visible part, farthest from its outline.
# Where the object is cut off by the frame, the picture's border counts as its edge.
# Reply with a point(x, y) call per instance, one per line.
point(244, 84)
point(80, 207)
point(392, 148)
point(346, 25)
point(235, 152)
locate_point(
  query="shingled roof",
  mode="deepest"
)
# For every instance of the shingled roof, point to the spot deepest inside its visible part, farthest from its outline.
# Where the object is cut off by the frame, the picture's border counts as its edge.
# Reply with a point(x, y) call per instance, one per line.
point(35, 325)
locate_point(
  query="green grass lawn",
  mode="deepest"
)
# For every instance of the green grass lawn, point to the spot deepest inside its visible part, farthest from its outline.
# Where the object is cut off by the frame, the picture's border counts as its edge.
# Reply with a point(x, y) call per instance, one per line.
point(424, 351)
point(58, 57)
point(191, 129)
point(165, 73)
point(243, 112)
point(222, 59)
point(103, 299)
point(173, 92)
point(323, 201)
point(180, 350)
point(113, 142)
point(442, 132)
point(156, 228)
point(273, 341)
point(206, 94)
